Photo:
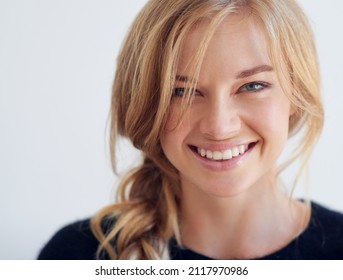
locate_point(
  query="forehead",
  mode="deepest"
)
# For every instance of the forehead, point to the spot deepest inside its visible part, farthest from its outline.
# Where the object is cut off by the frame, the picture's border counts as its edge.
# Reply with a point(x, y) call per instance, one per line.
point(238, 43)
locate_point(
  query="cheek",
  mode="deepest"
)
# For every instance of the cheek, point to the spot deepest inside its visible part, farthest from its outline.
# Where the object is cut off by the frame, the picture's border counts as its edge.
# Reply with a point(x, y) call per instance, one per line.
point(273, 115)
point(172, 143)
point(269, 119)
point(178, 124)
point(174, 139)
point(279, 115)
point(174, 117)
point(174, 131)
point(171, 123)
point(273, 126)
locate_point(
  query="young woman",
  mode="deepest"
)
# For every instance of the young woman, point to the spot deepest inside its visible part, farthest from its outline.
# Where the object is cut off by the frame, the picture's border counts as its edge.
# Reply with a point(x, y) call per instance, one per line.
point(210, 91)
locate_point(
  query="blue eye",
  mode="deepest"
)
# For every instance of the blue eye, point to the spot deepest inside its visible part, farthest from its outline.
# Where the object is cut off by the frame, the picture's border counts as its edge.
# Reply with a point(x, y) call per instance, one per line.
point(178, 92)
point(253, 87)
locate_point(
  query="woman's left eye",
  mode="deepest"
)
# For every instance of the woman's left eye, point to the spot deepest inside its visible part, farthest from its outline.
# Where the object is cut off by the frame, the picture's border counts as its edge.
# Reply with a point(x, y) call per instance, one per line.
point(253, 87)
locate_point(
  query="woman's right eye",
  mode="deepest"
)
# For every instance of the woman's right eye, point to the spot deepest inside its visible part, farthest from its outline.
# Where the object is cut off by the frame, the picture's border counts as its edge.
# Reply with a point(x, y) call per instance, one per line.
point(180, 92)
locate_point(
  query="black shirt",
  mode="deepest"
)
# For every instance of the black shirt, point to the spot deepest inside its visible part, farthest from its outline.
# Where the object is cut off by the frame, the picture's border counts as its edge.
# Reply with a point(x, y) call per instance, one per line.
point(322, 240)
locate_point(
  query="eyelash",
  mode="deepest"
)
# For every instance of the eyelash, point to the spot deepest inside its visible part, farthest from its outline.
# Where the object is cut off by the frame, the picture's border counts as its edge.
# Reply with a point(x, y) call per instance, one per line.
point(262, 85)
point(179, 91)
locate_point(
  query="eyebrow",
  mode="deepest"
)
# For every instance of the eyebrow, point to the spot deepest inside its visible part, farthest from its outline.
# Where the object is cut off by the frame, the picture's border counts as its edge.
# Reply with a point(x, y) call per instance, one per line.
point(181, 78)
point(253, 71)
point(244, 74)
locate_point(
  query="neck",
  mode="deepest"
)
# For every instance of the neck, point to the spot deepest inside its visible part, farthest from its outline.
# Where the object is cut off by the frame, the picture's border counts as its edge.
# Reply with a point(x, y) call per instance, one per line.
point(247, 225)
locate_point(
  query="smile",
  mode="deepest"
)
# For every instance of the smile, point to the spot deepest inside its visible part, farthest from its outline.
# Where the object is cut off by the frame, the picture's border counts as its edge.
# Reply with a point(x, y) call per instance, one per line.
point(224, 154)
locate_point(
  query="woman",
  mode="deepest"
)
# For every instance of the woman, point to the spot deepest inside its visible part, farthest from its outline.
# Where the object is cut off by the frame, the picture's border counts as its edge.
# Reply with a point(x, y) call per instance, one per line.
point(210, 91)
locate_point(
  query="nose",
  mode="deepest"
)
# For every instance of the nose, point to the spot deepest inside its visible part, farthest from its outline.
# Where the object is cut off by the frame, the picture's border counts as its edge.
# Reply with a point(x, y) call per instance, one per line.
point(220, 120)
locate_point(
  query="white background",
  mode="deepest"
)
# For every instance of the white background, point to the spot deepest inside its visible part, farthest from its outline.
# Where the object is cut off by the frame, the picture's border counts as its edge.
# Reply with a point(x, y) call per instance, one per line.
point(56, 68)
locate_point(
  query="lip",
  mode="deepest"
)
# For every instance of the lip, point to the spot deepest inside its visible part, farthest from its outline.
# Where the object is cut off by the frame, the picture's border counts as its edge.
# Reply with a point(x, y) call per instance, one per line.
point(221, 165)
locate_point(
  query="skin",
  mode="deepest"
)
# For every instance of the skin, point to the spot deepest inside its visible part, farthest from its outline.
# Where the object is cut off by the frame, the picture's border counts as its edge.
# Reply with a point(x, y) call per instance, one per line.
point(232, 208)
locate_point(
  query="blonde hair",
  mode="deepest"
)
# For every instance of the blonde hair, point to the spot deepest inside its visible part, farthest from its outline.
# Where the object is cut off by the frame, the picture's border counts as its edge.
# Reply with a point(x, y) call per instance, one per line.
point(146, 215)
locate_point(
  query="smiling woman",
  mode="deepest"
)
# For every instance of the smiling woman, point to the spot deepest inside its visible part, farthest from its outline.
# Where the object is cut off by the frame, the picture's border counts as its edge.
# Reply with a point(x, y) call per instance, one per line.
point(210, 92)
point(236, 83)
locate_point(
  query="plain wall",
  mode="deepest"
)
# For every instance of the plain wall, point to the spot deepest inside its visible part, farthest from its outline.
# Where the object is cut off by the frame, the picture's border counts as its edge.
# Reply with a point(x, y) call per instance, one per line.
point(57, 61)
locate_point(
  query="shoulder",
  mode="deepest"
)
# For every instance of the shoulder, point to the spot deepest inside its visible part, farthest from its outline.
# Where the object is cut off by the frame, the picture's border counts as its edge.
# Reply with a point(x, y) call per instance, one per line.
point(328, 220)
point(73, 242)
point(324, 235)
point(326, 215)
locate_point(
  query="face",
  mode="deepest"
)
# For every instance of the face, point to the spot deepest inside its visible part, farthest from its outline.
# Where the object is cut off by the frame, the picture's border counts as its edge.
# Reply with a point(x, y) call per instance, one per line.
point(237, 124)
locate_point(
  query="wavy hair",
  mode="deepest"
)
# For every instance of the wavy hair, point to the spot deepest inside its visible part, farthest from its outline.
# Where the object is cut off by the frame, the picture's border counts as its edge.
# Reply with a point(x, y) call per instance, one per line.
point(145, 217)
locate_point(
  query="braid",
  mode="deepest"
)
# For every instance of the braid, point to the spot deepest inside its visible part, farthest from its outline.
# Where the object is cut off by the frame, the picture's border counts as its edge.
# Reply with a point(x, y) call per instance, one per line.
point(145, 217)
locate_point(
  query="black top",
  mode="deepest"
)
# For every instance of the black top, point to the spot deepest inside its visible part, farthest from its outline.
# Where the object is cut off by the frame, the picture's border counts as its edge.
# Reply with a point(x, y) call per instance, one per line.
point(323, 240)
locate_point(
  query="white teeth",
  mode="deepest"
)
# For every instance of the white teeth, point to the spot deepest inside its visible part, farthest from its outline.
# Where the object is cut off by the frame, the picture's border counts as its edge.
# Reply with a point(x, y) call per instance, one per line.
point(235, 152)
point(227, 154)
point(223, 155)
point(217, 155)
point(202, 152)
